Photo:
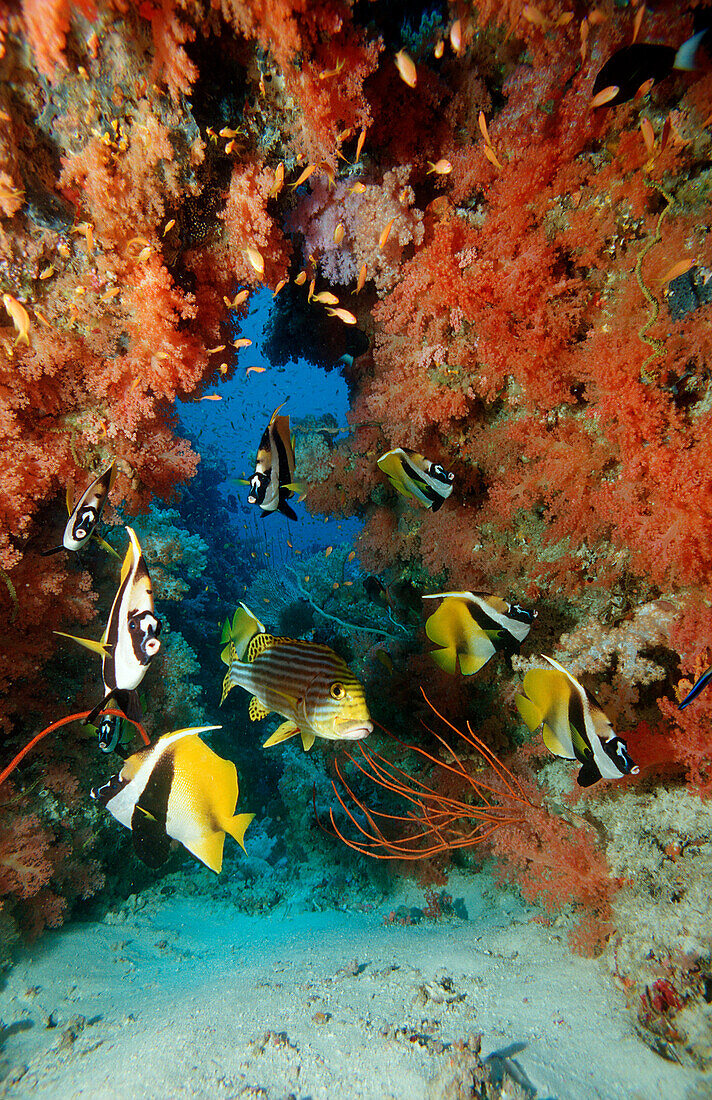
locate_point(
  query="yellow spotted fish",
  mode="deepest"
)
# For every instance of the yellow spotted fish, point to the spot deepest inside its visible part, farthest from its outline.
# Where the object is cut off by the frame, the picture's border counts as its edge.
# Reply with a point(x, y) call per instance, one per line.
point(308, 684)
point(178, 789)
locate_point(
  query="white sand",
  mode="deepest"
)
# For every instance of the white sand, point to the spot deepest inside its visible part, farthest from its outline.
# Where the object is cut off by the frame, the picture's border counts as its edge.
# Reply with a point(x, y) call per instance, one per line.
point(188, 998)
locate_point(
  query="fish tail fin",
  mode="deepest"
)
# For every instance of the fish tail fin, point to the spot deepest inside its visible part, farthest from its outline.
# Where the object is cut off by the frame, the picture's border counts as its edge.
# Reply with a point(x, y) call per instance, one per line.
point(243, 629)
point(105, 546)
point(237, 826)
point(96, 647)
point(686, 58)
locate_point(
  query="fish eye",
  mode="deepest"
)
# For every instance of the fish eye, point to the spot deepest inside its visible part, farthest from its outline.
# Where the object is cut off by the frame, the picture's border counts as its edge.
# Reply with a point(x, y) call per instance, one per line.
point(337, 691)
point(133, 625)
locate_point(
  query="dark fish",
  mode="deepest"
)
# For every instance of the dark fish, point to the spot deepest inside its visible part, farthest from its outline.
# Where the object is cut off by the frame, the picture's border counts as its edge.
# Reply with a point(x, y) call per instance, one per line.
point(130, 641)
point(643, 63)
point(86, 513)
point(471, 627)
point(271, 483)
point(416, 477)
point(573, 724)
point(178, 789)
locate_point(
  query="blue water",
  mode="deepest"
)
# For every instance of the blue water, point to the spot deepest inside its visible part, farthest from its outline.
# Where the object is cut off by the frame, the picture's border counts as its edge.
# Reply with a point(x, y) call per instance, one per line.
point(229, 430)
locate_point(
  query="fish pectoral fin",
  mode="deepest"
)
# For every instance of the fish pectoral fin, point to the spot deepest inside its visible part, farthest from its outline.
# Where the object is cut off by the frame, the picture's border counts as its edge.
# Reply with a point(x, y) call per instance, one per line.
point(105, 546)
point(151, 843)
point(257, 710)
point(308, 739)
point(282, 733)
point(102, 648)
point(237, 826)
point(227, 655)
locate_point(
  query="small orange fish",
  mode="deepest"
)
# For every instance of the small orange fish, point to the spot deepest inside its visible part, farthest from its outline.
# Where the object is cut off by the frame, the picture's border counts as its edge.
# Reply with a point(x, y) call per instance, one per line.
point(604, 96)
point(385, 233)
point(456, 36)
point(326, 298)
point(646, 129)
point(226, 132)
point(339, 233)
point(110, 294)
point(492, 156)
point(168, 226)
point(257, 370)
point(280, 284)
point(351, 556)
point(47, 272)
point(536, 17)
point(678, 269)
point(439, 49)
point(211, 351)
point(20, 318)
point(343, 315)
point(406, 68)
point(278, 181)
point(308, 171)
point(243, 342)
point(255, 260)
point(357, 189)
point(328, 551)
point(637, 22)
point(361, 279)
point(359, 145)
point(211, 397)
point(301, 278)
point(440, 167)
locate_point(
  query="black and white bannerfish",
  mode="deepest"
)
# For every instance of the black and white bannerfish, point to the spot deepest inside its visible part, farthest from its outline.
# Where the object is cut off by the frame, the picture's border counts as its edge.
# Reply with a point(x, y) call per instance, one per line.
point(307, 683)
point(470, 627)
point(177, 789)
point(130, 641)
point(573, 724)
point(271, 485)
point(416, 477)
point(86, 513)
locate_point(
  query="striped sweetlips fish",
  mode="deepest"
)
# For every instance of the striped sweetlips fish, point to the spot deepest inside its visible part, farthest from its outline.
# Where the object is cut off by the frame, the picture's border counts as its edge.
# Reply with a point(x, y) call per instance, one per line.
point(130, 641)
point(313, 688)
point(86, 513)
point(416, 477)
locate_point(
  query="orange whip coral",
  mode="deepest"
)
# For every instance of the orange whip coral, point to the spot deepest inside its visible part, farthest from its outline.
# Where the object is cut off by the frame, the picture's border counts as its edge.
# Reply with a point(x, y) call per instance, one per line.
point(438, 823)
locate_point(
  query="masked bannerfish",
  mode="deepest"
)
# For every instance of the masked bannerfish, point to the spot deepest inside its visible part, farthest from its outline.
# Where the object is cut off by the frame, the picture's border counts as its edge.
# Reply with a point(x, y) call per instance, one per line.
point(130, 641)
point(573, 724)
point(86, 513)
point(696, 688)
point(272, 482)
point(416, 477)
point(178, 789)
point(471, 627)
point(308, 684)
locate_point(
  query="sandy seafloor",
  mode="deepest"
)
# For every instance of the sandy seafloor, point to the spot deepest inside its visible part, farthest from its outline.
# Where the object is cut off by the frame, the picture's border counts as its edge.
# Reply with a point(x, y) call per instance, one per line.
point(187, 997)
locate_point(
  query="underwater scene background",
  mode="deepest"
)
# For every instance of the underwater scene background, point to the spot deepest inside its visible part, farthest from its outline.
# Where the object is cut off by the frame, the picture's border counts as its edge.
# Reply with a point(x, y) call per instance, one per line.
point(369, 343)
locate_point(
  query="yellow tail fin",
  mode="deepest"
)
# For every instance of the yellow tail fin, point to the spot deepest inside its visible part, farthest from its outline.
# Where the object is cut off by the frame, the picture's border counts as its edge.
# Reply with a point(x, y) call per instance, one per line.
point(237, 827)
